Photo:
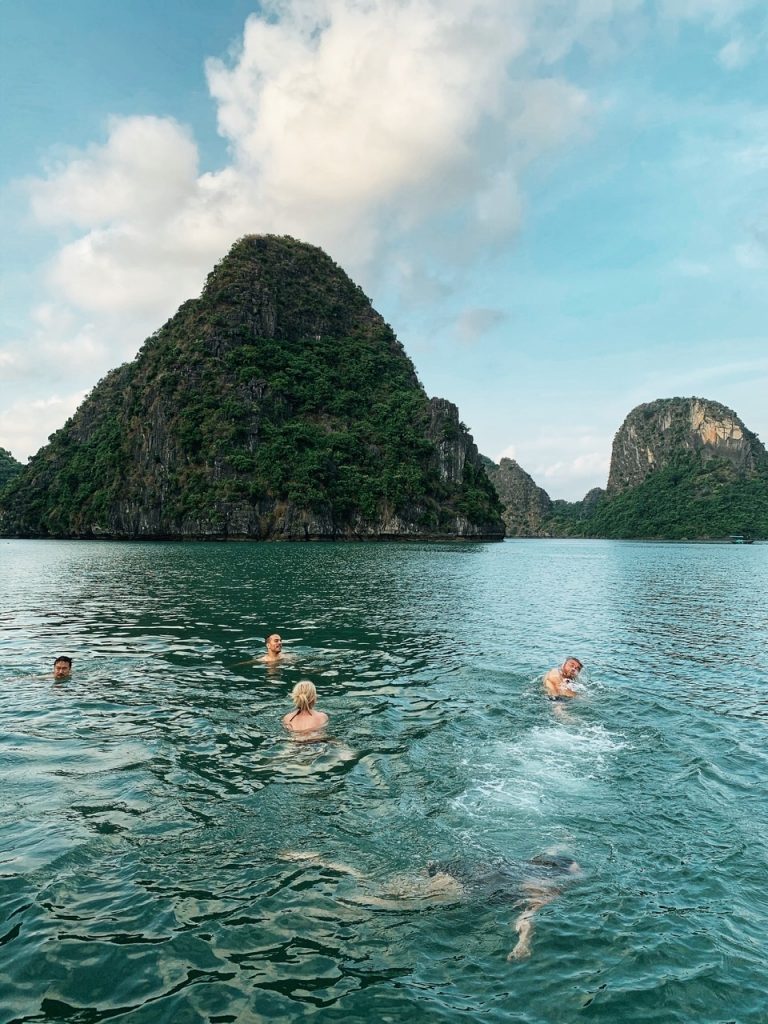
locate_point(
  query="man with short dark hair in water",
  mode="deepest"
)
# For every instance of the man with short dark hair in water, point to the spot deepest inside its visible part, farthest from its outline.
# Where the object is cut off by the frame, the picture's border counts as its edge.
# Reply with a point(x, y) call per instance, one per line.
point(558, 681)
point(274, 649)
point(62, 667)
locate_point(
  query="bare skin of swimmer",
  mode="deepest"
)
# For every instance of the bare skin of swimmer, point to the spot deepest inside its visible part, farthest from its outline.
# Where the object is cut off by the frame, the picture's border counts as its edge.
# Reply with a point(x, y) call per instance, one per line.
point(442, 887)
point(557, 682)
point(305, 721)
point(306, 717)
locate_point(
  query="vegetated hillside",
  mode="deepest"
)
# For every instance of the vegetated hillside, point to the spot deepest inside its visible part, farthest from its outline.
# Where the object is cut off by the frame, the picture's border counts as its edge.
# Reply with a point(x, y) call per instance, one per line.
point(681, 468)
point(277, 405)
point(9, 467)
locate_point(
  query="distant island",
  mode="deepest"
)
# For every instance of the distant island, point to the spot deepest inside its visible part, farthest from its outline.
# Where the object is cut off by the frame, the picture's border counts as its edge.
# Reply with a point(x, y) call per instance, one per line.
point(681, 469)
point(277, 405)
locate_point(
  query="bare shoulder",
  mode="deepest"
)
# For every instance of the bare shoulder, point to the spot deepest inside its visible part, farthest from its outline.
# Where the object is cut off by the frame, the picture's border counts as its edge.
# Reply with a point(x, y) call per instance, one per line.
point(552, 680)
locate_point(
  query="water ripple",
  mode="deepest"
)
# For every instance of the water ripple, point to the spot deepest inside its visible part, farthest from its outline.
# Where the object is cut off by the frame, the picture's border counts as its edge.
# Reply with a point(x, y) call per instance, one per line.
point(168, 853)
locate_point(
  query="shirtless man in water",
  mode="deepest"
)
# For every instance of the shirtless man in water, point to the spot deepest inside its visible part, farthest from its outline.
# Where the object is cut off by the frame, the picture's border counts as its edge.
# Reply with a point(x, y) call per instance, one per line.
point(274, 649)
point(558, 681)
point(62, 667)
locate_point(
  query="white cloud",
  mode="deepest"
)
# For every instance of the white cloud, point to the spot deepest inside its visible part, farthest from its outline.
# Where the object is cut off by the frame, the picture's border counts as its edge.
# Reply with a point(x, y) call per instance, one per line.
point(370, 127)
point(580, 468)
point(473, 324)
point(341, 119)
point(565, 464)
point(26, 424)
point(734, 55)
point(147, 167)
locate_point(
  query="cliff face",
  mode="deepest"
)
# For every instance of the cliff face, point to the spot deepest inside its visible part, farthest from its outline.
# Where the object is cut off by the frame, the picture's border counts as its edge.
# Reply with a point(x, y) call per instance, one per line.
point(654, 434)
point(277, 405)
point(526, 505)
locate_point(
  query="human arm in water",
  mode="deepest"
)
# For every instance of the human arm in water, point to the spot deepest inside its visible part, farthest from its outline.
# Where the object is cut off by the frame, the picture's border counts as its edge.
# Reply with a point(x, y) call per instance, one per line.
point(523, 924)
point(536, 895)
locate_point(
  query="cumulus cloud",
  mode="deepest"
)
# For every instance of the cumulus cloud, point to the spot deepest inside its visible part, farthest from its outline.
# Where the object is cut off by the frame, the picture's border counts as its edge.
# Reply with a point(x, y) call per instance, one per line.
point(26, 424)
point(351, 125)
point(370, 127)
point(147, 166)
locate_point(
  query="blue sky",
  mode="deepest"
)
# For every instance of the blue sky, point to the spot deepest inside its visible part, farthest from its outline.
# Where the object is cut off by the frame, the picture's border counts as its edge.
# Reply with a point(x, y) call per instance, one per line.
point(560, 207)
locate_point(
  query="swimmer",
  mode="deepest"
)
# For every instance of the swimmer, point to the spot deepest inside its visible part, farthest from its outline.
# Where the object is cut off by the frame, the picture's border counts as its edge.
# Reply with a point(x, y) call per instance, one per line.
point(274, 653)
point(529, 885)
point(557, 682)
point(62, 667)
point(305, 718)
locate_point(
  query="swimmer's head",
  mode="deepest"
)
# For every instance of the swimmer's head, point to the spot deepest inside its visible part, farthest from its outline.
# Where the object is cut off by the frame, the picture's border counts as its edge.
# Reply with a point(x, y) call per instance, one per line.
point(62, 667)
point(571, 668)
point(304, 695)
point(274, 643)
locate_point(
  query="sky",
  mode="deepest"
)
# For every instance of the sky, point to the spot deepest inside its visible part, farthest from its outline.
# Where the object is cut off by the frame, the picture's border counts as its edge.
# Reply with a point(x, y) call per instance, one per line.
point(560, 206)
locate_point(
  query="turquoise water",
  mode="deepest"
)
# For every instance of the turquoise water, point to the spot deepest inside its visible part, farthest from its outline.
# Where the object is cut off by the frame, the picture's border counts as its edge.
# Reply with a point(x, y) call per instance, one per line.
point(154, 810)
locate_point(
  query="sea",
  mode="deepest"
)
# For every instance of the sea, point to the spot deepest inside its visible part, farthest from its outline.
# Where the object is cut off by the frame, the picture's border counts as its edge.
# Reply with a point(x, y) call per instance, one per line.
point(169, 853)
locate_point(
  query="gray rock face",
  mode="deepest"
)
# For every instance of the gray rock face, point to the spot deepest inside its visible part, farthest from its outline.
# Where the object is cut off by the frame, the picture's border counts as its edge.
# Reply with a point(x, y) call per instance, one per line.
point(526, 505)
point(654, 433)
point(453, 443)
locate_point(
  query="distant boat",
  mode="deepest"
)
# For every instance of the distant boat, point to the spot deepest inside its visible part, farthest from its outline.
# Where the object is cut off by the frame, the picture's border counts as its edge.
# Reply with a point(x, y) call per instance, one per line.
point(739, 538)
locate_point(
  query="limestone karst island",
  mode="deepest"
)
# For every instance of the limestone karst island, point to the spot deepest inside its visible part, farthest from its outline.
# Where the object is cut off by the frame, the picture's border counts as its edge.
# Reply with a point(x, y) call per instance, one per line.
point(277, 405)
point(280, 405)
point(681, 469)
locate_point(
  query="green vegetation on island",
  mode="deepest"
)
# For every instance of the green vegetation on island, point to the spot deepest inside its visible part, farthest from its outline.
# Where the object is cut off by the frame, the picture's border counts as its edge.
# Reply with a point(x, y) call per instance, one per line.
point(681, 469)
point(278, 404)
point(9, 467)
point(686, 500)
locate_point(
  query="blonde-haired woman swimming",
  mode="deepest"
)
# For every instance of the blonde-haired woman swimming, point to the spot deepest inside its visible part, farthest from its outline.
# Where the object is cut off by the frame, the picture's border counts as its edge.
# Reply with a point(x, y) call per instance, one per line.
point(305, 717)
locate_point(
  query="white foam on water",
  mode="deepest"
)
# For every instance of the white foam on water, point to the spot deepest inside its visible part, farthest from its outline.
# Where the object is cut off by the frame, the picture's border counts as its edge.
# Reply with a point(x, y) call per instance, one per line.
point(534, 773)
